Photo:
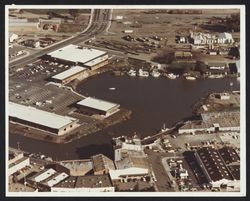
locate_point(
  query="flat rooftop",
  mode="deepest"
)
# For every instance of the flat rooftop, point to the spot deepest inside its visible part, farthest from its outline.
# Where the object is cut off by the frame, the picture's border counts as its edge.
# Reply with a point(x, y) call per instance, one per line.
point(68, 73)
point(75, 53)
point(221, 119)
point(91, 181)
point(97, 104)
point(37, 116)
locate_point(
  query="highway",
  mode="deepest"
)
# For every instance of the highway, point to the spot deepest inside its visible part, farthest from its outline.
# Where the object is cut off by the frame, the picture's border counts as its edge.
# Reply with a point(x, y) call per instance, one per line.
point(98, 25)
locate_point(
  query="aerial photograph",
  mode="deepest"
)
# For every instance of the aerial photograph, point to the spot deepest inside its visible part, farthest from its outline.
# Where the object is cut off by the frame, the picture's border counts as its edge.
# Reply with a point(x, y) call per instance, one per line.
point(105, 100)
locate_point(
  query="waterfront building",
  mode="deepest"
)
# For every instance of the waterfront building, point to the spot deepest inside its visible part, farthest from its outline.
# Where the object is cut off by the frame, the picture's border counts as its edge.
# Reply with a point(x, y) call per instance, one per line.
point(17, 161)
point(215, 168)
point(79, 56)
point(42, 120)
point(213, 122)
point(76, 72)
point(130, 160)
point(92, 106)
point(90, 183)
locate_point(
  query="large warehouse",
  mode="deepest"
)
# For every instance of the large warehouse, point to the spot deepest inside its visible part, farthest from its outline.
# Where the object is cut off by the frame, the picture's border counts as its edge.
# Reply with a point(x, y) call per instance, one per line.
point(96, 106)
point(76, 72)
point(81, 56)
point(40, 119)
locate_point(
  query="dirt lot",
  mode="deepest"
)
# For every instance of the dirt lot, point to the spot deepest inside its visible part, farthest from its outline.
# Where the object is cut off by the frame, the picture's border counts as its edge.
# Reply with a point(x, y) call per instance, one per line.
point(161, 24)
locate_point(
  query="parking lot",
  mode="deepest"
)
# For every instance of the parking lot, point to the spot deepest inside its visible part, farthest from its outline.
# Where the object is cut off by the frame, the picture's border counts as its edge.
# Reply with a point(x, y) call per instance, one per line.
point(37, 71)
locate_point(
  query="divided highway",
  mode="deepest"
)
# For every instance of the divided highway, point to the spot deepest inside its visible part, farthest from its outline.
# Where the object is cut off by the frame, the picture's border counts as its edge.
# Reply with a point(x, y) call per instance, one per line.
point(98, 25)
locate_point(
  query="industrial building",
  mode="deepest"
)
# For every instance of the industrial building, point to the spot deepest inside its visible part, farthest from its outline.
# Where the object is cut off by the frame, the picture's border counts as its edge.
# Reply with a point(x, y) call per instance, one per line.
point(46, 179)
point(78, 167)
point(90, 183)
point(17, 161)
point(215, 168)
point(130, 160)
point(213, 122)
point(69, 75)
point(102, 164)
point(96, 106)
point(81, 56)
point(40, 119)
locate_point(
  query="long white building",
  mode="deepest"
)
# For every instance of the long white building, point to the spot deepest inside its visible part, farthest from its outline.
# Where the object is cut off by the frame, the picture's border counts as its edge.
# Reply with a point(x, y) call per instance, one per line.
point(40, 119)
point(82, 56)
point(76, 72)
point(96, 106)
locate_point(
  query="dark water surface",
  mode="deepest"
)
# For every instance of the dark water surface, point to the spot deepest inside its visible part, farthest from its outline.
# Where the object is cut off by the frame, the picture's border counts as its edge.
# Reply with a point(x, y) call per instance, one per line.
point(154, 101)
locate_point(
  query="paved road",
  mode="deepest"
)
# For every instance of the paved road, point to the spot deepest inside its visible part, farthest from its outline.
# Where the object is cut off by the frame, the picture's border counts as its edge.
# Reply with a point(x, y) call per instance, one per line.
point(98, 25)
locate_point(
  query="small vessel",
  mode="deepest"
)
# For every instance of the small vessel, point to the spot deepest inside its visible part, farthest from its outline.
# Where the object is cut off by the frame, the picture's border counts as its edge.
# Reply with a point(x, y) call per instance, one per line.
point(132, 73)
point(142, 73)
point(112, 88)
point(215, 76)
point(190, 78)
point(164, 128)
point(155, 73)
point(171, 76)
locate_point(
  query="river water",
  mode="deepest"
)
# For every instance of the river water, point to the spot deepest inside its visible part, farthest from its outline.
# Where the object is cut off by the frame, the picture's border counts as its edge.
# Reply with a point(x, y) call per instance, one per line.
point(153, 101)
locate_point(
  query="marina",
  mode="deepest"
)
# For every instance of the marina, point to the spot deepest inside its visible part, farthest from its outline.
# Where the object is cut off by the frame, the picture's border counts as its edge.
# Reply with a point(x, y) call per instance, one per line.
point(152, 101)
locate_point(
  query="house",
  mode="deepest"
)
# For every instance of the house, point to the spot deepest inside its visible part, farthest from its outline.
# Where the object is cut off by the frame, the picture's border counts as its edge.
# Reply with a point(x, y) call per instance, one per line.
point(225, 38)
point(12, 37)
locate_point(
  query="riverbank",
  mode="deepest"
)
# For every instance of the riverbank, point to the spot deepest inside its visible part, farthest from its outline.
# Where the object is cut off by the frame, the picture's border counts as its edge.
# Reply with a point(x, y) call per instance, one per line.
point(79, 132)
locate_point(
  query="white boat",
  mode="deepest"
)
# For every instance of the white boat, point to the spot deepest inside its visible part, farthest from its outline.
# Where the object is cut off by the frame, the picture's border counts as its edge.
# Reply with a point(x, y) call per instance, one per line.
point(155, 73)
point(164, 128)
point(132, 73)
point(215, 76)
point(190, 78)
point(171, 76)
point(112, 88)
point(142, 73)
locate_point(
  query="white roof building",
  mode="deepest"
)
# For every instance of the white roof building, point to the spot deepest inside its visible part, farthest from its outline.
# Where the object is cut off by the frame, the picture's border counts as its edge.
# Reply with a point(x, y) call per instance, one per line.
point(12, 37)
point(44, 175)
point(41, 118)
point(225, 38)
point(77, 54)
point(68, 73)
point(121, 173)
point(104, 107)
point(57, 179)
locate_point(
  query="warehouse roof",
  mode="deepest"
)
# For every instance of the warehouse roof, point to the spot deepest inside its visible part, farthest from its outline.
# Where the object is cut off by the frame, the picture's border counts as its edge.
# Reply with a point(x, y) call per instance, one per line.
point(97, 104)
point(37, 116)
point(116, 174)
point(70, 72)
point(75, 53)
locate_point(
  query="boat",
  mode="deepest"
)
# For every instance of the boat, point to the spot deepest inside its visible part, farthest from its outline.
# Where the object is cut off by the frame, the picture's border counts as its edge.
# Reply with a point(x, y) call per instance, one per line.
point(190, 78)
point(132, 73)
point(112, 88)
point(215, 76)
point(164, 129)
point(142, 73)
point(155, 73)
point(171, 76)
